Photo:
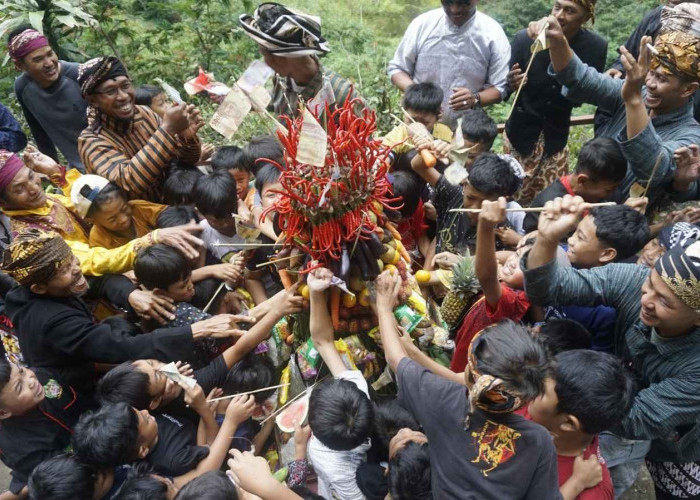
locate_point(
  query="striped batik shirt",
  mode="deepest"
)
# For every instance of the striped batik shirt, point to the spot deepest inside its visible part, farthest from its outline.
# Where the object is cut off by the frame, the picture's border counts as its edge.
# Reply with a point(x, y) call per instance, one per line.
point(134, 155)
point(667, 408)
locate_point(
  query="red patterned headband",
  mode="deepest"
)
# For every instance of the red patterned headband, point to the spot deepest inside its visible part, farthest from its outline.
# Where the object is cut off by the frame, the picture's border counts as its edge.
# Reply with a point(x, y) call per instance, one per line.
point(10, 164)
point(25, 43)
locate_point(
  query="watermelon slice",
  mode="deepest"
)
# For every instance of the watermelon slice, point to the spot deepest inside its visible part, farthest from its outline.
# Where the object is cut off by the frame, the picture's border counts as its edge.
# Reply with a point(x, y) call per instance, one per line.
point(297, 411)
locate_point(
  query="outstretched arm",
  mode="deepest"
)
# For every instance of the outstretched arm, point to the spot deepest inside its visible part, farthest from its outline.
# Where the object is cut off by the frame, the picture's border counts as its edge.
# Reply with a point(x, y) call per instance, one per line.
point(492, 213)
point(320, 324)
point(388, 286)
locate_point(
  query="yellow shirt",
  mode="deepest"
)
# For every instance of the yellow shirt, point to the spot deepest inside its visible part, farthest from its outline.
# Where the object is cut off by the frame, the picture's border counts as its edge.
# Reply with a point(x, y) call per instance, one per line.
point(400, 133)
point(96, 261)
point(143, 214)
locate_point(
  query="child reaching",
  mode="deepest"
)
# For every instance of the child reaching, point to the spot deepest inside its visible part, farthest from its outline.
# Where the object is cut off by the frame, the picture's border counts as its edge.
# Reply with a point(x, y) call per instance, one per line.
point(340, 411)
point(116, 220)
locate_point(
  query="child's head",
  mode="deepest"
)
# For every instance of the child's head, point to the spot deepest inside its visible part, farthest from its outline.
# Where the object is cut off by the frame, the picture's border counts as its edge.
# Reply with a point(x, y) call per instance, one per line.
point(507, 351)
point(607, 234)
point(178, 185)
point(151, 96)
point(409, 466)
point(409, 187)
point(251, 373)
point(679, 233)
point(423, 103)
point(510, 272)
point(563, 334)
point(102, 203)
point(232, 159)
point(489, 178)
point(340, 414)
point(20, 390)
point(590, 392)
point(389, 418)
point(176, 216)
point(116, 434)
point(479, 131)
point(216, 199)
point(138, 383)
point(165, 269)
point(260, 148)
point(600, 169)
point(142, 483)
point(63, 477)
point(267, 184)
point(214, 485)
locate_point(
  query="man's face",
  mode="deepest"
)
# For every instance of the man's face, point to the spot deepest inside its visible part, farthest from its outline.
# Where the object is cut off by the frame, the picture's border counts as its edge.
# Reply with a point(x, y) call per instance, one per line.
point(425, 117)
point(21, 394)
point(585, 249)
point(67, 281)
point(651, 253)
point(665, 92)
point(225, 225)
point(459, 11)
point(24, 192)
point(570, 16)
point(42, 66)
point(115, 98)
point(242, 179)
point(663, 310)
point(114, 215)
point(472, 198)
point(181, 291)
point(270, 194)
point(543, 409)
point(161, 389)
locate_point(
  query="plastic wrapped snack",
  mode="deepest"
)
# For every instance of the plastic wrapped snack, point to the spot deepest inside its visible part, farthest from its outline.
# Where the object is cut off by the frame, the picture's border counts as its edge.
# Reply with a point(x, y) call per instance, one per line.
point(408, 318)
point(308, 359)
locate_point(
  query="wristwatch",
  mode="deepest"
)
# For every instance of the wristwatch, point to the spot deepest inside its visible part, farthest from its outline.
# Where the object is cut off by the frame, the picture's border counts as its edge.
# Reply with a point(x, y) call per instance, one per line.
point(477, 98)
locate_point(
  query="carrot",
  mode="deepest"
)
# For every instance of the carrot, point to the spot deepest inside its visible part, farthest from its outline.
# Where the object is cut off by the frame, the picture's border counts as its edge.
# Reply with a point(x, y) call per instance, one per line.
point(428, 158)
point(335, 308)
point(397, 236)
point(286, 278)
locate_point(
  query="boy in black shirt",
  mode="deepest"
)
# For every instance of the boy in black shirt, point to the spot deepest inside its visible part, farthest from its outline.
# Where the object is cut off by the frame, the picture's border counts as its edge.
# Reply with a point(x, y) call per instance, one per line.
point(37, 413)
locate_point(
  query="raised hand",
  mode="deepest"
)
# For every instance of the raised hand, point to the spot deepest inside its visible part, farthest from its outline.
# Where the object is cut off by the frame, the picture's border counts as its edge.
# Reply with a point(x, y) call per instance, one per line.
point(687, 167)
point(219, 326)
point(493, 213)
point(534, 27)
point(387, 286)
point(560, 217)
point(241, 409)
point(635, 70)
point(319, 280)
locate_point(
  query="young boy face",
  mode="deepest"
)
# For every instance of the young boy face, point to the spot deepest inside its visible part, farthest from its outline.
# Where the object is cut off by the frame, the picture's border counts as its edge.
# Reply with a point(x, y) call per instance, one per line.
point(585, 249)
point(161, 389)
point(158, 104)
point(651, 253)
point(479, 148)
point(114, 215)
point(225, 225)
point(181, 291)
point(242, 179)
point(595, 191)
point(148, 432)
point(21, 394)
point(472, 198)
point(425, 117)
point(510, 273)
point(270, 194)
point(543, 409)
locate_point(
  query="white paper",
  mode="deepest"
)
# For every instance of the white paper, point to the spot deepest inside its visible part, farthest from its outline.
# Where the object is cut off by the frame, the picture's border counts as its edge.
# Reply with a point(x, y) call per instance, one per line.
point(313, 142)
point(171, 371)
point(170, 90)
point(256, 75)
point(231, 112)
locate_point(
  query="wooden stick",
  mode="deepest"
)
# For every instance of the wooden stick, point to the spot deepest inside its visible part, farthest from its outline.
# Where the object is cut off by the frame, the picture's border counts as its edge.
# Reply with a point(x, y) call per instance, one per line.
point(407, 114)
point(213, 297)
point(275, 261)
point(529, 209)
point(247, 393)
point(252, 245)
point(520, 87)
point(653, 173)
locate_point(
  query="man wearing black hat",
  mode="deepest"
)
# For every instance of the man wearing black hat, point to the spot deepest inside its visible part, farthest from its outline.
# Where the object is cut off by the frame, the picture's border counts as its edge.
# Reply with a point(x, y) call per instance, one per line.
point(290, 43)
point(128, 144)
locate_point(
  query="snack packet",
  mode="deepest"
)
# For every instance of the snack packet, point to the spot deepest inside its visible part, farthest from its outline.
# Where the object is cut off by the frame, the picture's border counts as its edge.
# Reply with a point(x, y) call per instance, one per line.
point(407, 317)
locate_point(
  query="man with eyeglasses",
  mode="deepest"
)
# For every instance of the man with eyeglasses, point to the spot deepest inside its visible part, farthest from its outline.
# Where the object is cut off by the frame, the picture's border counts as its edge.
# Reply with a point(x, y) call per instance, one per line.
point(49, 94)
point(465, 52)
point(128, 144)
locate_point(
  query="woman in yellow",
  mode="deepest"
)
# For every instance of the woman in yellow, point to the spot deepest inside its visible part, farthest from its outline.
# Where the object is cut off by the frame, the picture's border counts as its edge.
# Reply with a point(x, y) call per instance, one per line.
point(116, 220)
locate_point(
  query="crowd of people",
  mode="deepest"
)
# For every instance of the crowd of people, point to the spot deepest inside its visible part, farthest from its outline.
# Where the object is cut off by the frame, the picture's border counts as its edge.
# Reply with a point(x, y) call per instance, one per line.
point(153, 330)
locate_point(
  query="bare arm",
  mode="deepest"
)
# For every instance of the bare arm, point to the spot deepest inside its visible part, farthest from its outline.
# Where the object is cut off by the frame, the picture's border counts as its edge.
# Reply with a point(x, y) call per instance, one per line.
point(388, 286)
point(401, 80)
point(489, 96)
point(320, 323)
point(485, 263)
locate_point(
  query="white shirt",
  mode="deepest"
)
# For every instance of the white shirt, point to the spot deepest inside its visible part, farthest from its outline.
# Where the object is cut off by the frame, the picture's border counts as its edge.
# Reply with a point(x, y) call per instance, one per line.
point(210, 236)
point(336, 469)
point(475, 55)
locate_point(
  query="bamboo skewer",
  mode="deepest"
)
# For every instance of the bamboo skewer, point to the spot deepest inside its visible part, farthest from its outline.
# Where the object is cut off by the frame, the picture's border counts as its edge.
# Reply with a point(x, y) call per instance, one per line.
point(275, 261)
point(653, 173)
point(529, 209)
point(247, 393)
point(213, 297)
point(252, 245)
point(522, 84)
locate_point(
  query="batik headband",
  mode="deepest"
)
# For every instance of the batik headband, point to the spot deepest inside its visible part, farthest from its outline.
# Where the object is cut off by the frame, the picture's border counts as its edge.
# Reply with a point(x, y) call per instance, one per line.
point(10, 164)
point(677, 46)
point(589, 5)
point(95, 71)
point(35, 256)
point(679, 268)
point(24, 43)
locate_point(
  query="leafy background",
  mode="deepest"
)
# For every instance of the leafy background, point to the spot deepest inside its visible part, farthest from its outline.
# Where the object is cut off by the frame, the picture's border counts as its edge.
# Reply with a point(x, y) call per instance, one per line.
point(170, 38)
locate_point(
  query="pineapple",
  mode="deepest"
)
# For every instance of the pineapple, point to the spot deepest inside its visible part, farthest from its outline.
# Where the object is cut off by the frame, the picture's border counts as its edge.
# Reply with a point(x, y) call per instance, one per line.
point(464, 287)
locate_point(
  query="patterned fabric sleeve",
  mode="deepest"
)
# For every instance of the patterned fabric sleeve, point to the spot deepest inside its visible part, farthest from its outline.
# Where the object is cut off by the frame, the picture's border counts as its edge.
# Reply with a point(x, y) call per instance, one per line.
point(299, 470)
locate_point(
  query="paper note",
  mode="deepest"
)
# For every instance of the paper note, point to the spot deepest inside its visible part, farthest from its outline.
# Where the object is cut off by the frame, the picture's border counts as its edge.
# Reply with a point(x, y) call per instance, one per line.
point(259, 98)
point(313, 142)
point(256, 75)
point(231, 112)
point(541, 42)
point(171, 371)
point(637, 190)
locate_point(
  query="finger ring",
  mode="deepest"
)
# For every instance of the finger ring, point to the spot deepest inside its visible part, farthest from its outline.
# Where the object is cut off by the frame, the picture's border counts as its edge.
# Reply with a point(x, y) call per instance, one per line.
point(465, 103)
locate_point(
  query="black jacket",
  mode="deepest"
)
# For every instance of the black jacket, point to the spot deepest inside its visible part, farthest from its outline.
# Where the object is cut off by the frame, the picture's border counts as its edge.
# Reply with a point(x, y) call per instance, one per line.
point(61, 333)
point(541, 108)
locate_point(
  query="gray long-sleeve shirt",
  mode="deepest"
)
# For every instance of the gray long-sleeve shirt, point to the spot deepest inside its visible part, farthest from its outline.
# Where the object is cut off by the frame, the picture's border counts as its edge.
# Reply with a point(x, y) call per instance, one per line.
point(667, 408)
point(56, 115)
point(662, 136)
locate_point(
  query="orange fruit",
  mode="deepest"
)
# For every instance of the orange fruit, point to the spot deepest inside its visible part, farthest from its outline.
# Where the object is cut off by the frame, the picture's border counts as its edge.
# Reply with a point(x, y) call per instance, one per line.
point(349, 301)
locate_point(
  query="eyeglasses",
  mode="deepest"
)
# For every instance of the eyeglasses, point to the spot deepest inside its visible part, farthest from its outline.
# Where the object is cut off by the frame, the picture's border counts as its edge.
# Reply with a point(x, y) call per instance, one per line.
point(112, 92)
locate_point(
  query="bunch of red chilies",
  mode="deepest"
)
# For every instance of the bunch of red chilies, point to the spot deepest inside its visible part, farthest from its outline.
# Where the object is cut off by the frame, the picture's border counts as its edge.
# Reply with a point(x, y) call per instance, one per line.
point(320, 230)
